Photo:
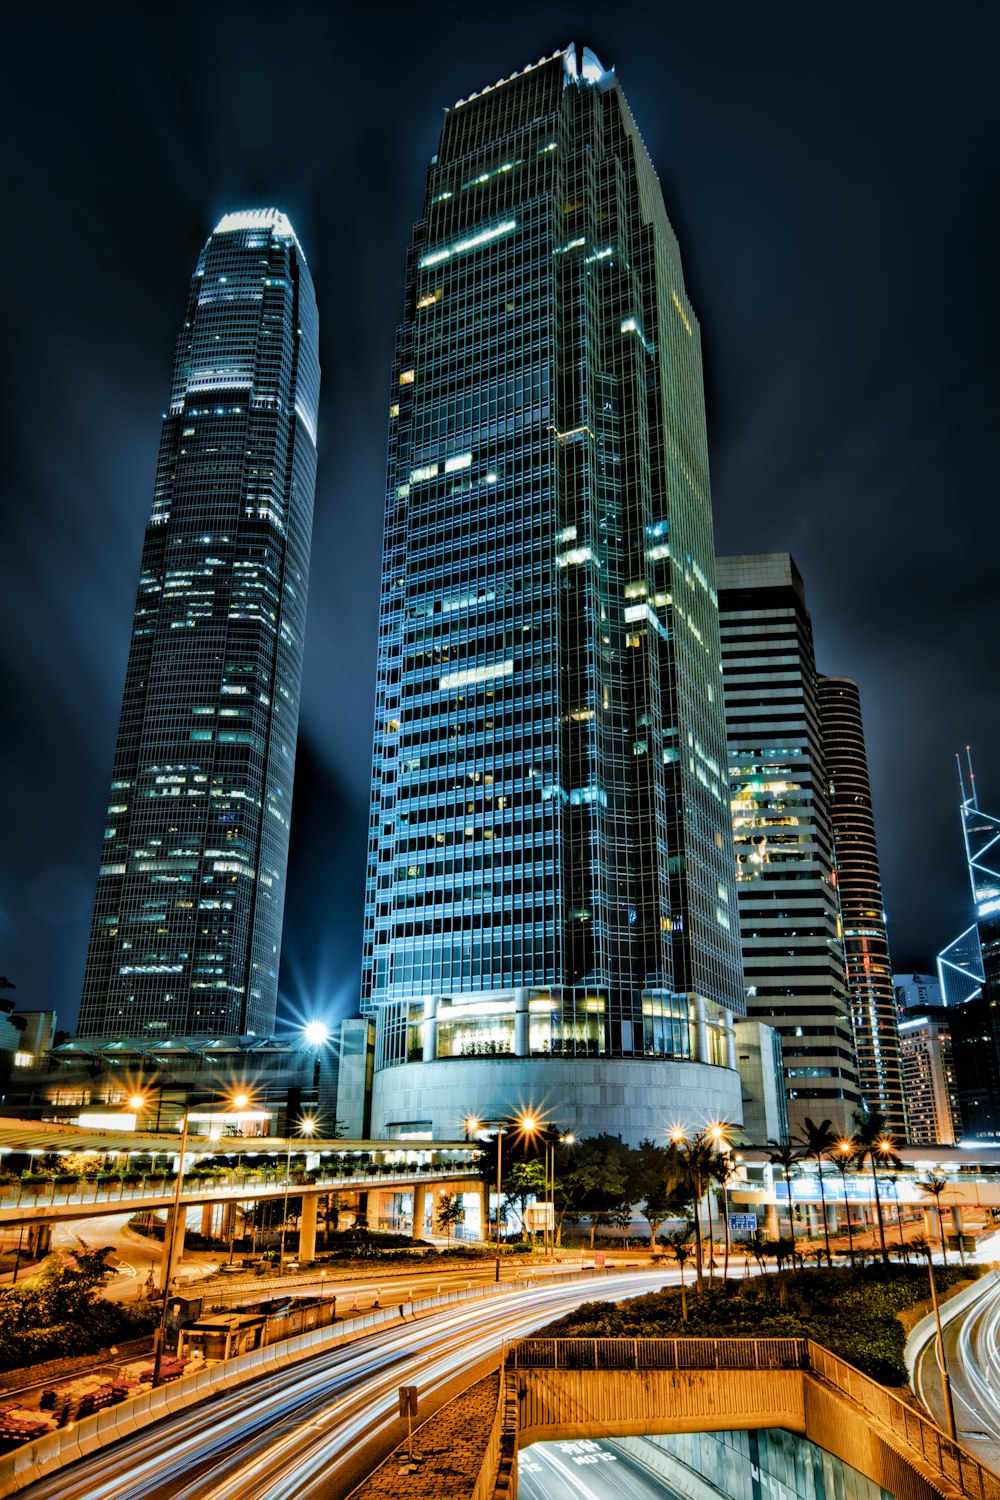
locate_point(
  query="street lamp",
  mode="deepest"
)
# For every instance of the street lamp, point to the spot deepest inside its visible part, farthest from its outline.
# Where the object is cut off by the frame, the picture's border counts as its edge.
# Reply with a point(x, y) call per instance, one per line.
point(235, 1101)
point(568, 1139)
point(528, 1125)
point(306, 1126)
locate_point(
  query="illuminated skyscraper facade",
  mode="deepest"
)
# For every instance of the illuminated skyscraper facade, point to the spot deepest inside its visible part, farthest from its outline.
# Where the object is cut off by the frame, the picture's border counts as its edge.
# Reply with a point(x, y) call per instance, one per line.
point(789, 914)
point(187, 921)
point(551, 908)
point(969, 973)
point(859, 886)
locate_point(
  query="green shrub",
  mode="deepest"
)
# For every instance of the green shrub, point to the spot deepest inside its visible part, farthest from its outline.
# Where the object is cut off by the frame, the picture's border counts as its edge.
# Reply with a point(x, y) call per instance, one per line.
point(851, 1312)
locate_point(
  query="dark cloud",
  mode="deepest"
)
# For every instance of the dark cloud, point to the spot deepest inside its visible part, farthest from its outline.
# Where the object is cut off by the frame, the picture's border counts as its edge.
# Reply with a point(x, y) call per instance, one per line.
point(831, 172)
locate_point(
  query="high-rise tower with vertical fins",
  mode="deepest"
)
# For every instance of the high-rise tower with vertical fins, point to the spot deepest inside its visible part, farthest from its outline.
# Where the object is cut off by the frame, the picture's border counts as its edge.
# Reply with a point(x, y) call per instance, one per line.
point(190, 897)
point(551, 903)
point(859, 888)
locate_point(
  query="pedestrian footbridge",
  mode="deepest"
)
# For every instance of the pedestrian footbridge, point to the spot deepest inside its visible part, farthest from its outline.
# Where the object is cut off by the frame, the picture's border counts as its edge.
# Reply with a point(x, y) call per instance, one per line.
point(575, 1388)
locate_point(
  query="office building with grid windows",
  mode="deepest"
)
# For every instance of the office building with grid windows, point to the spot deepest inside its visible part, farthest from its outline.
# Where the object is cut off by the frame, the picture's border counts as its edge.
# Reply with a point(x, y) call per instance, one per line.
point(793, 952)
point(187, 920)
point(551, 910)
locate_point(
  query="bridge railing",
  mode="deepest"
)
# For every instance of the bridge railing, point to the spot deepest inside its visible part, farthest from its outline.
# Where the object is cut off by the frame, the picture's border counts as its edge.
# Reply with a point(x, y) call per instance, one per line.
point(659, 1354)
point(963, 1471)
point(37, 1197)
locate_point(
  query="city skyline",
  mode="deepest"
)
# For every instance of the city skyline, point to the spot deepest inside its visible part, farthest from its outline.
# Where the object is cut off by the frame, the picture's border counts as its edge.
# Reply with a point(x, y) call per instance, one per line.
point(845, 402)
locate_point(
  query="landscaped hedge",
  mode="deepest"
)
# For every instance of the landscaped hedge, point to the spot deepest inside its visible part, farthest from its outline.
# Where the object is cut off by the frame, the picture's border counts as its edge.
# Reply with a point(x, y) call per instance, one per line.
point(852, 1312)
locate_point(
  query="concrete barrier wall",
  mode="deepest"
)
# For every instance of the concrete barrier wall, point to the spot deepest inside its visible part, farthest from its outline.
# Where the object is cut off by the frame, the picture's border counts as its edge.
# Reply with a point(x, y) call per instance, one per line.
point(613, 1403)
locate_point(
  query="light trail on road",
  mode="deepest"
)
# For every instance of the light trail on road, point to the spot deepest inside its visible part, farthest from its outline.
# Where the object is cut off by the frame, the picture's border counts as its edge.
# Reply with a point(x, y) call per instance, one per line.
point(287, 1434)
point(970, 1344)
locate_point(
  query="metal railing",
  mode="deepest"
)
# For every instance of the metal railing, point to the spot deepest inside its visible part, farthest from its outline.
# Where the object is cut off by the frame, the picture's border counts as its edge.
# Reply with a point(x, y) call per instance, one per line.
point(658, 1354)
point(53, 1195)
point(935, 1447)
point(923, 1437)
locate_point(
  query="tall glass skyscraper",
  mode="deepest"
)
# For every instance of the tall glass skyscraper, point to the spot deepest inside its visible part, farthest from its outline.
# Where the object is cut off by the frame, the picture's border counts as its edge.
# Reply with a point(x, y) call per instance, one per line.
point(551, 905)
point(859, 887)
point(187, 921)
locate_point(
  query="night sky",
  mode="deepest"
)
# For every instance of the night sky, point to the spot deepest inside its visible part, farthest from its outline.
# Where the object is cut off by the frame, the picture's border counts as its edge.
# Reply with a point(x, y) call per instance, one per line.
point(831, 171)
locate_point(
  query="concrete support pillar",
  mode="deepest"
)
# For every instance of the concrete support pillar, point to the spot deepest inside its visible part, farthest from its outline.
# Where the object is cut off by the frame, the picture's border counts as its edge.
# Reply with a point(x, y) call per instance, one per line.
point(484, 1212)
point(701, 1030)
point(228, 1224)
point(207, 1218)
point(831, 1217)
point(307, 1229)
point(43, 1242)
point(730, 1030)
point(771, 1231)
point(956, 1219)
point(521, 1021)
point(430, 1028)
point(173, 1246)
point(419, 1209)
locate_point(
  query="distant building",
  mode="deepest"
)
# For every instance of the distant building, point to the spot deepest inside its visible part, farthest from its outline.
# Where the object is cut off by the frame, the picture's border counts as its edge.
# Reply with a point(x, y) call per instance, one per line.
point(551, 905)
point(190, 895)
point(916, 991)
point(788, 909)
point(765, 1107)
point(932, 1112)
point(859, 887)
point(960, 969)
point(91, 1081)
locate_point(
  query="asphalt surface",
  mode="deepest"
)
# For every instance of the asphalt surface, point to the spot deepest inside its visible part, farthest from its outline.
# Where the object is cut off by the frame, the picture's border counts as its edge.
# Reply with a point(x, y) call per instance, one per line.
point(586, 1469)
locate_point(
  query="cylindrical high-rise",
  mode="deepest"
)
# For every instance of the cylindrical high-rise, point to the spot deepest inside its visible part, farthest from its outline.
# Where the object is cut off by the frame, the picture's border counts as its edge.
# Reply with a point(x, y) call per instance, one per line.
point(551, 886)
point(866, 945)
point(187, 921)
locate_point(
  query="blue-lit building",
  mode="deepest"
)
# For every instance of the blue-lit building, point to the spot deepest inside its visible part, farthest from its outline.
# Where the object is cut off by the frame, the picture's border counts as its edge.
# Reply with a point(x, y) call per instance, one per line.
point(969, 974)
point(187, 920)
point(551, 902)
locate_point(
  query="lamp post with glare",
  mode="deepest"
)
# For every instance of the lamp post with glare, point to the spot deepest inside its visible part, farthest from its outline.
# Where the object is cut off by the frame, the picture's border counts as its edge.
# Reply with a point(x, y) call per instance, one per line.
point(528, 1125)
point(236, 1101)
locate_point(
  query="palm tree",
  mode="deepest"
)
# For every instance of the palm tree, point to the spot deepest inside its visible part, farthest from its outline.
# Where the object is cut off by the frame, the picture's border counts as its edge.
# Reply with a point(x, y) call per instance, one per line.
point(785, 1156)
point(871, 1141)
point(933, 1185)
point(680, 1249)
point(728, 1168)
point(819, 1140)
point(841, 1154)
point(689, 1166)
point(892, 1178)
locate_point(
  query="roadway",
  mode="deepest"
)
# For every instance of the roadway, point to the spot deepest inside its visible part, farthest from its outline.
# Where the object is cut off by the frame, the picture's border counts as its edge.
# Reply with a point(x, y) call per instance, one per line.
point(587, 1469)
point(317, 1427)
point(970, 1344)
